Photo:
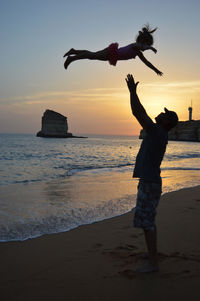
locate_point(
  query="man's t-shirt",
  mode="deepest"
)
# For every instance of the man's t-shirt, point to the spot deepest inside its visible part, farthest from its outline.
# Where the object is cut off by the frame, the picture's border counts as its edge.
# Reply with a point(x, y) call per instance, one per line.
point(150, 155)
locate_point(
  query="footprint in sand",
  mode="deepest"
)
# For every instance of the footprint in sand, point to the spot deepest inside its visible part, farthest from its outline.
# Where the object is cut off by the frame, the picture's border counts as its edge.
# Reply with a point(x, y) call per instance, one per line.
point(95, 247)
point(179, 273)
point(135, 235)
point(130, 274)
point(98, 245)
point(126, 247)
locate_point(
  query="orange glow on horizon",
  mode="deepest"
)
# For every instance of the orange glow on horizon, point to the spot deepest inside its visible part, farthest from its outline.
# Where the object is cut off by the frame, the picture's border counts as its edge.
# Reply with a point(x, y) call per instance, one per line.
point(107, 110)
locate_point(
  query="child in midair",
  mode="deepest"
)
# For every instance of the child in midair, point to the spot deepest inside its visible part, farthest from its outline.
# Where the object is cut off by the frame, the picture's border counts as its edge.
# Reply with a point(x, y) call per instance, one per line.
point(112, 53)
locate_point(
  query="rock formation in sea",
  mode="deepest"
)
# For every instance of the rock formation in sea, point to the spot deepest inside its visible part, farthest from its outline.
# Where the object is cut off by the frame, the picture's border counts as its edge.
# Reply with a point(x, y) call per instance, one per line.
point(184, 131)
point(54, 125)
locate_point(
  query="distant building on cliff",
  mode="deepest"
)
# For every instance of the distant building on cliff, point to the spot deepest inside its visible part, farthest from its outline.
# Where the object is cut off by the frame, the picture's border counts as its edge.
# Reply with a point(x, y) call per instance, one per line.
point(190, 113)
point(54, 125)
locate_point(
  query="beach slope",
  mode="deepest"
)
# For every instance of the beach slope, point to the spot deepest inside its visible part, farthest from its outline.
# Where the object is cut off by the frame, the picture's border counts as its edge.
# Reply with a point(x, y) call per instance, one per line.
point(99, 261)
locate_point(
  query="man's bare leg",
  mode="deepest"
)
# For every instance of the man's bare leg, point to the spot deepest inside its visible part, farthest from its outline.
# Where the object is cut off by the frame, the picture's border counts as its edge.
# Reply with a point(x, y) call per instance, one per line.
point(151, 243)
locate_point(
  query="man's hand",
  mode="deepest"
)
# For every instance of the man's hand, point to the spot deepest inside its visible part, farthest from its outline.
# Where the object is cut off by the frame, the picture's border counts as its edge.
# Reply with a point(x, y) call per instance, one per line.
point(132, 86)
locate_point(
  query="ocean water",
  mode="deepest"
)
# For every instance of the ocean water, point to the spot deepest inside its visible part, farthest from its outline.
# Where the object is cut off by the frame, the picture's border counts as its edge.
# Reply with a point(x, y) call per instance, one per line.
point(54, 185)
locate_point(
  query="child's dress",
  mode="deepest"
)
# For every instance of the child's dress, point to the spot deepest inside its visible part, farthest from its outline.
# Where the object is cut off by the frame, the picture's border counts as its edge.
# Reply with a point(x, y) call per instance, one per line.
point(123, 53)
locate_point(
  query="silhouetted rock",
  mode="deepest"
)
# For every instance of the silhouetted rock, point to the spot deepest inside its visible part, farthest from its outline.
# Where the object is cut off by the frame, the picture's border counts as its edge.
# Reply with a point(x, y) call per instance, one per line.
point(184, 131)
point(54, 125)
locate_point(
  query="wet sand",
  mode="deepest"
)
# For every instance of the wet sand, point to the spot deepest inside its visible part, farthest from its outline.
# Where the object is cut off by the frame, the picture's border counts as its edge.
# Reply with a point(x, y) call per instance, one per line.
point(99, 261)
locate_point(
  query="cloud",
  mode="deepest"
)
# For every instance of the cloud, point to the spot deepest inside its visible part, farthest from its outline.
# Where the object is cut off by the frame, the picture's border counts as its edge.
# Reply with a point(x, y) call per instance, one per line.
point(187, 88)
point(178, 87)
point(89, 94)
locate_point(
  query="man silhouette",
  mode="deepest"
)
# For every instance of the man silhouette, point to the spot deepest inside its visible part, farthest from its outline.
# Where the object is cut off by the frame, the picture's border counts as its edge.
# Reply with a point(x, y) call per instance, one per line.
point(147, 169)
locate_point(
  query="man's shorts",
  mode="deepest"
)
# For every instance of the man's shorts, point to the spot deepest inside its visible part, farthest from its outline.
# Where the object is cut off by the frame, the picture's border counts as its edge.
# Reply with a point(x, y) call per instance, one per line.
point(147, 201)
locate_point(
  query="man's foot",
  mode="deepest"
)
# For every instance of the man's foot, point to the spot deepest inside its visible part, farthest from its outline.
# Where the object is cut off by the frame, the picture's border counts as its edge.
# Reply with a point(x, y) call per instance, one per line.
point(71, 51)
point(148, 268)
point(68, 61)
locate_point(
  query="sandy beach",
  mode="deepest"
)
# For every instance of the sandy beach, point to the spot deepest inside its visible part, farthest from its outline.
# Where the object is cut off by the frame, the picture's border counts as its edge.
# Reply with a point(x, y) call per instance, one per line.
point(99, 261)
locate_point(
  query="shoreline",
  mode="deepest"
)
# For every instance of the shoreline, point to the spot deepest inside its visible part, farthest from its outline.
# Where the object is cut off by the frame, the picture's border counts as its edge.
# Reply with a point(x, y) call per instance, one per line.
point(82, 225)
point(98, 261)
point(60, 206)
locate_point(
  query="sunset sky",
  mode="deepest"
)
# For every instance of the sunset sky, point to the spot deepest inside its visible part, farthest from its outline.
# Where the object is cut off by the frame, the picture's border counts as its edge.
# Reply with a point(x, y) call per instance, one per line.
point(35, 34)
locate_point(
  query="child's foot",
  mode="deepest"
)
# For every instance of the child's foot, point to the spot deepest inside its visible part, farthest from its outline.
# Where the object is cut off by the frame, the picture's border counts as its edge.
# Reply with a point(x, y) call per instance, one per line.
point(68, 61)
point(71, 51)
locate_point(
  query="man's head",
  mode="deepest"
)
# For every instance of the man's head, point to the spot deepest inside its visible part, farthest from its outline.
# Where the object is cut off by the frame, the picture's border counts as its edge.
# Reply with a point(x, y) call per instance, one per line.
point(167, 120)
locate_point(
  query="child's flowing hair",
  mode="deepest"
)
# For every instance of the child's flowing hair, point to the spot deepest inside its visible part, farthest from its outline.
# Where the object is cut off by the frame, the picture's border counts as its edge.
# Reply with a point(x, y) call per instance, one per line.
point(145, 36)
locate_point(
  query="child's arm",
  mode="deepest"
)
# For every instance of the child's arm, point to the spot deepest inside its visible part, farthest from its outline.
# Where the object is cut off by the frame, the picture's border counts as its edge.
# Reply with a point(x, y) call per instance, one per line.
point(145, 47)
point(148, 64)
point(153, 49)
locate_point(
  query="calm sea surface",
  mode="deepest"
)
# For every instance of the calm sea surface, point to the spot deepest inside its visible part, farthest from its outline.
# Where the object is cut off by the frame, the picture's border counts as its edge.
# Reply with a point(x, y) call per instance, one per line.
point(53, 185)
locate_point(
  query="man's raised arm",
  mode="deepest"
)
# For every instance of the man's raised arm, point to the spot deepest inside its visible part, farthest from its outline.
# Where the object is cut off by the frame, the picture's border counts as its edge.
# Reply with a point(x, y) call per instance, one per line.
point(136, 106)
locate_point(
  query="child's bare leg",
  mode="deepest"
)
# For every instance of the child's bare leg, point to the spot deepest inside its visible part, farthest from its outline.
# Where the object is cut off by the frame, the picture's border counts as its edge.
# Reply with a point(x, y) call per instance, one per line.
point(101, 55)
point(73, 51)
